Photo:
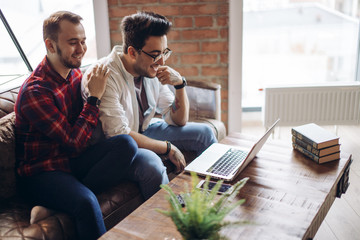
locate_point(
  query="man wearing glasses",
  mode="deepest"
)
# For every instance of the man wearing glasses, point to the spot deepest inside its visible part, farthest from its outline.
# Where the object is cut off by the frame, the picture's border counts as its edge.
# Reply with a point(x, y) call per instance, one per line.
point(137, 89)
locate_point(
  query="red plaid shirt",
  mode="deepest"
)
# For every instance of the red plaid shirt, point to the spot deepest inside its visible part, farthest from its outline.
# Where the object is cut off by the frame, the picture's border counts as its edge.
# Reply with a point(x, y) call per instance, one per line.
point(52, 123)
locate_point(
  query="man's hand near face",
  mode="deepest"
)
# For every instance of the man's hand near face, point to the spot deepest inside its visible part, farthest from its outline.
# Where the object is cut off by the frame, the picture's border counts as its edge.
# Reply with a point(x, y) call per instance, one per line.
point(180, 106)
point(167, 75)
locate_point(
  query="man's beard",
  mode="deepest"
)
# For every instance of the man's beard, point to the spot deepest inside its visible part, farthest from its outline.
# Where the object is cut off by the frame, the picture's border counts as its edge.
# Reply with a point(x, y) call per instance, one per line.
point(65, 62)
point(141, 72)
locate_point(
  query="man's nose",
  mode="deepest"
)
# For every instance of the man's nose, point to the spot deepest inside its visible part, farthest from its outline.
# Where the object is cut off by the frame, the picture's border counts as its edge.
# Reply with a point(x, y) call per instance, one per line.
point(161, 61)
point(81, 47)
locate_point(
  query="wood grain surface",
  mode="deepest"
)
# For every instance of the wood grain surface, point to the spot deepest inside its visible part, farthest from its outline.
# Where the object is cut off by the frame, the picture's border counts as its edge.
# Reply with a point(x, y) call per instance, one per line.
point(287, 197)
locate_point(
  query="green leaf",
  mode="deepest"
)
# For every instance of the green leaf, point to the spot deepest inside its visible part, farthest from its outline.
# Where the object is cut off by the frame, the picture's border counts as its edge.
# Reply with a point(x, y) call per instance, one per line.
point(204, 212)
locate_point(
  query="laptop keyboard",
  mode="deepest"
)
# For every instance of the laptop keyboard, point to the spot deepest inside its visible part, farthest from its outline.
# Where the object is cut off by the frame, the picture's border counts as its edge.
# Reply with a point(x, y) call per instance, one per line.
point(228, 162)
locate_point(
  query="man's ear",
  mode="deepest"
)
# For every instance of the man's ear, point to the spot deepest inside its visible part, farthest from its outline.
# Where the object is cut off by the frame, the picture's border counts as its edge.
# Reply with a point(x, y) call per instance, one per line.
point(132, 52)
point(50, 45)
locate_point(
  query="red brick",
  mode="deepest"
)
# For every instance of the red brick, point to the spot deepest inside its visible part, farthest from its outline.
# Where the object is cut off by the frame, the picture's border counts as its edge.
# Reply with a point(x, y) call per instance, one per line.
point(223, 81)
point(188, 71)
point(222, 1)
point(181, 22)
point(203, 21)
point(224, 58)
point(200, 9)
point(224, 105)
point(114, 25)
point(199, 59)
point(224, 93)
point(177, 1)
point(215, 46)
point(200, 34)
point(134, 2)
point(223, 9)
point(174, 35)
point(112, 3)
point(166, 10)
point(121, 11)
point(223, 21)
point(113, 43)
point(188, 47)
point(173, 60)
point(116, 37)
point(214, 71)
point(224, 117)
point(224, 33)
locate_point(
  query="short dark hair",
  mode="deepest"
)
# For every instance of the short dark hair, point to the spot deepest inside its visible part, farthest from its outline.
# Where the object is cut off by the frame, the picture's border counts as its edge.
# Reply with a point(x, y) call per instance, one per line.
point(138, 27)
point(51, 25)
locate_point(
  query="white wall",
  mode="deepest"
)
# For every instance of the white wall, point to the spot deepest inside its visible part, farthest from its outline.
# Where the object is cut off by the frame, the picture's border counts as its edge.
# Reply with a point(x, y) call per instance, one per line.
point(235, 65)
point(102, 28)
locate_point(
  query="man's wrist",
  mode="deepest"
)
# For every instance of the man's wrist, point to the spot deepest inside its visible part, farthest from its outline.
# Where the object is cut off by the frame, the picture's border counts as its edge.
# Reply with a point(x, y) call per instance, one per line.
point(180, 86)
point(94, 101)
point(168, 148)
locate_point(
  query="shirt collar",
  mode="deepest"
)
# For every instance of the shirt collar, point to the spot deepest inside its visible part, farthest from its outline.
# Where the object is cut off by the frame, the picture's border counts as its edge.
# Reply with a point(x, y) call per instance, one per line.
point(116, 52)
point(53, 73)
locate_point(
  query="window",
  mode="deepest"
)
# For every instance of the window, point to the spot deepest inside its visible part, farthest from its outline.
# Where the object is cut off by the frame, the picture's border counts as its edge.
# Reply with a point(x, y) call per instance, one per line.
point(297, 41)
point(26, 17)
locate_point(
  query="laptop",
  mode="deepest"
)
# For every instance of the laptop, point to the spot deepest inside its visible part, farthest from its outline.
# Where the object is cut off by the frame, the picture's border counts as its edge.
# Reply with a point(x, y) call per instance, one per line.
point(225, 162)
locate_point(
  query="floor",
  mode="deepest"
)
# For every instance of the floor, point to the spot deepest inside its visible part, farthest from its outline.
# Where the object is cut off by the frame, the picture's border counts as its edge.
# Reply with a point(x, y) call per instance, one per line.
point(343, 219)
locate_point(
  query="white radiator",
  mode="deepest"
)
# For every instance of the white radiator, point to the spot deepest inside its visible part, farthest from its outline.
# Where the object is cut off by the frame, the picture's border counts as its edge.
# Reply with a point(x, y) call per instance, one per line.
point(322, 104)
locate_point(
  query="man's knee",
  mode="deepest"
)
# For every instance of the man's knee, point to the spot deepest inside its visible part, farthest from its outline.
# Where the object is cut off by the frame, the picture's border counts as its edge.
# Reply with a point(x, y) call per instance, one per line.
point(149, 172)
point(206, 134)
point(208, 131)
point(150, 165)
point(157, 169)
point(125, 142)
point(86, 203)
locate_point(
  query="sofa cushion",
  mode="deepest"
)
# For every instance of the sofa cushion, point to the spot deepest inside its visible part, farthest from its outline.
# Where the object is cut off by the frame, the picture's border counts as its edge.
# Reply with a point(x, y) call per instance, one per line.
point(119, 201)
point(7, 156)
point(15, 224)
point(7, 101)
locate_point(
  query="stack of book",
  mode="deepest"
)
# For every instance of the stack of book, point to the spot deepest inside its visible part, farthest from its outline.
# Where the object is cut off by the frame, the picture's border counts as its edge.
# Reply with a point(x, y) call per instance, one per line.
point(316, 143)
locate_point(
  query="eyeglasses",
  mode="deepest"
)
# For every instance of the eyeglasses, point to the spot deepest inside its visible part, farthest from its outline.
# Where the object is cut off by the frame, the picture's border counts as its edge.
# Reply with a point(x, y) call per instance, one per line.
point(166, 54)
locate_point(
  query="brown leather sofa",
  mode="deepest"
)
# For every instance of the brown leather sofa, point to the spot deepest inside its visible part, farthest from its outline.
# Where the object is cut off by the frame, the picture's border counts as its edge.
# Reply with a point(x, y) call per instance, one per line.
point(116, 203)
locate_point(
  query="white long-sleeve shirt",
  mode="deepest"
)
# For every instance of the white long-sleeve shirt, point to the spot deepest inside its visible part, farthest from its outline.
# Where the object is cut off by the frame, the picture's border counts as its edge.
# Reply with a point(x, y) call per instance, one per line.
point(119, 112)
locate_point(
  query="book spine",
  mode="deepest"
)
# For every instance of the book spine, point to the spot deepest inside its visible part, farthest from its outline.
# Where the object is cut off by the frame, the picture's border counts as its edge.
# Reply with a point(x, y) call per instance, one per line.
point(305, 145)
point(304, 138)
point(306, 152)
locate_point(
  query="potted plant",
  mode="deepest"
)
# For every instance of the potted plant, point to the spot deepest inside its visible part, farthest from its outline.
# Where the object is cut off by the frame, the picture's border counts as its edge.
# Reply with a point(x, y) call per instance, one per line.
point(203, 214)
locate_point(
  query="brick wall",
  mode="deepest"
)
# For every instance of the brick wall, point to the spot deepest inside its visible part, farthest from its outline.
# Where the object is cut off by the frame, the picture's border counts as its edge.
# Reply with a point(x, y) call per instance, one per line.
point(199, 37)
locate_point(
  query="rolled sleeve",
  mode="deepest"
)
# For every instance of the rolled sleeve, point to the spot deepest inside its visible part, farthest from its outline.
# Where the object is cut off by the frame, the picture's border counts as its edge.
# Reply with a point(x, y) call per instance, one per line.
point(112, 114)
point(164, 103)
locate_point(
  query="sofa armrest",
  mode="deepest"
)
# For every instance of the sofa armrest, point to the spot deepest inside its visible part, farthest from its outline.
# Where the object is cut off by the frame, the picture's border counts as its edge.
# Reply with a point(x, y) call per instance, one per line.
point(205, 100)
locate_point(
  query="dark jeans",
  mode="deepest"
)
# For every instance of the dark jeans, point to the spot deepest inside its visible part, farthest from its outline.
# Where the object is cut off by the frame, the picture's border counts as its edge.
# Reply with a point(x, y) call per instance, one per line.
point(101, 166)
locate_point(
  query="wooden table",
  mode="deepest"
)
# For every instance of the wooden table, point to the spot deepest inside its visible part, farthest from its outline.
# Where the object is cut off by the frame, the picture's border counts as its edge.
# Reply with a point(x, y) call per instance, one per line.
point(287, 197)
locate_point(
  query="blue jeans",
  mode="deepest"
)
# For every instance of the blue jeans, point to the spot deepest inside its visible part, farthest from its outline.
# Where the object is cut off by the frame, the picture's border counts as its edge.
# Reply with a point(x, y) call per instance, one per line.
point(193, 136)
point(148, 171)
point(147, 168)
point(101, 166)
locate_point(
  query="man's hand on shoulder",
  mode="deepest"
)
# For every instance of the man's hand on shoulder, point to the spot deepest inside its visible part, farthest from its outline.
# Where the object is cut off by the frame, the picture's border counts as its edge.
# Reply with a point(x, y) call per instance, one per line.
point(177, 158)
point(96, 80)
point(167, 75)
